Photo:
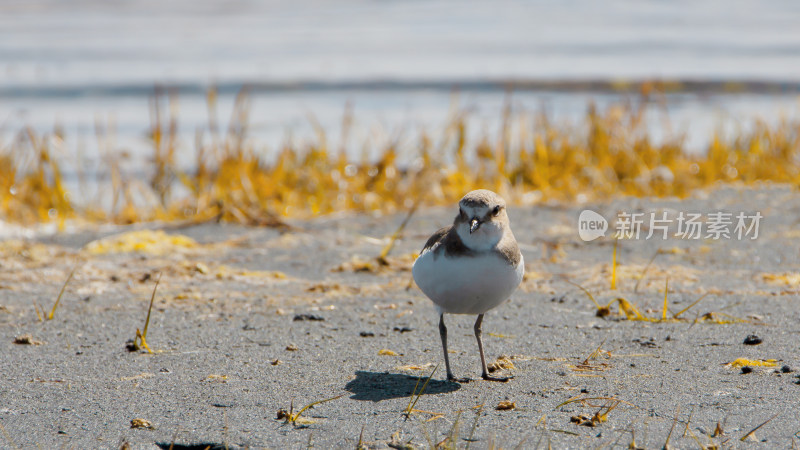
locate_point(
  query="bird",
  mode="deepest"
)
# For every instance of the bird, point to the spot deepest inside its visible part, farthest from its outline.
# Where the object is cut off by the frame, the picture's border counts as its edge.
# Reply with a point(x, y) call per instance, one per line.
point(471, 267)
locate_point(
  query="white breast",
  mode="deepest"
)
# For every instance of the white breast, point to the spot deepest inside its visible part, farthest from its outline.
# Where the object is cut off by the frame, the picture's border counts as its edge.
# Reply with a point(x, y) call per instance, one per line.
point(466, 284)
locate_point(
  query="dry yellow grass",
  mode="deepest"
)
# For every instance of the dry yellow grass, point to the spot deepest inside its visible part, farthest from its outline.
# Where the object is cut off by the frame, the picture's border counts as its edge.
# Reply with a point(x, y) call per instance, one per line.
point(610, 153)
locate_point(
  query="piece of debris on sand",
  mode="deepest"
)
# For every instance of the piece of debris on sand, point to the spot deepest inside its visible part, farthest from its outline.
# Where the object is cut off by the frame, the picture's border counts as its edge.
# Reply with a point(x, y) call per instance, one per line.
point(27, 339)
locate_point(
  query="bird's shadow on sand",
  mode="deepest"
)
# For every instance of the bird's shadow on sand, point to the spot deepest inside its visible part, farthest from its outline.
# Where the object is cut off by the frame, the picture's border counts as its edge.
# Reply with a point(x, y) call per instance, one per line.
point(375, 386)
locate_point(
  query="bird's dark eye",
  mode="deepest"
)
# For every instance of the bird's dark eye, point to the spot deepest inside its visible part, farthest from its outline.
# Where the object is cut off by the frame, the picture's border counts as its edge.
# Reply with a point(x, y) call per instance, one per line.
point(496, 210)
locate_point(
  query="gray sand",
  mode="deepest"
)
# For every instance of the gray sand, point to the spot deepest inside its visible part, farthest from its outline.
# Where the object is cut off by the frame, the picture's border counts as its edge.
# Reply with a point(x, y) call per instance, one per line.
point(216, 334)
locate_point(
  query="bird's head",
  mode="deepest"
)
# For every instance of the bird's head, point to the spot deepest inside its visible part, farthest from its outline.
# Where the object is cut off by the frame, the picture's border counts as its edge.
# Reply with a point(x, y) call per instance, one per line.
point(481, 220)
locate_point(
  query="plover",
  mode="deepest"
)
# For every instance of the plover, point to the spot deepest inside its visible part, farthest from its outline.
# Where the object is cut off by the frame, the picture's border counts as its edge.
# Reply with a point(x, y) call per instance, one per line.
point(471, 266)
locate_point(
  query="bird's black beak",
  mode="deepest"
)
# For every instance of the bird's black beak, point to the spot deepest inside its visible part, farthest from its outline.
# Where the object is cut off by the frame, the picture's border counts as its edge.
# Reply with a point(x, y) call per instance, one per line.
point(474, 224)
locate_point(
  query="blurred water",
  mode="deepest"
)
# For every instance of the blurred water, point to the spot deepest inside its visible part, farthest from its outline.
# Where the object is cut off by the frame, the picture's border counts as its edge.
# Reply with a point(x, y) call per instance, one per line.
point(91, 42)
point(86, 61)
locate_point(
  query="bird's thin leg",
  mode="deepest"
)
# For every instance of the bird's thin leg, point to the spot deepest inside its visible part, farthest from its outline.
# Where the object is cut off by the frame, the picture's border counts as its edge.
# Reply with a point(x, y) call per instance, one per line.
point(479, 336)
point(443, 334)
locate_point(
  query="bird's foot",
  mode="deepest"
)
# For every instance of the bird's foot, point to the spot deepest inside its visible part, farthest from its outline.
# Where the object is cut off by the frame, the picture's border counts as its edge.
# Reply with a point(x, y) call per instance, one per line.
point(488, 377)
point(453, 379)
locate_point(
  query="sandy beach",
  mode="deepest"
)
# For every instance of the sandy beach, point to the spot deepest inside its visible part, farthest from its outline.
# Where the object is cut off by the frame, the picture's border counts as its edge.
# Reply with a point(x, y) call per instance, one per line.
point(250, 321)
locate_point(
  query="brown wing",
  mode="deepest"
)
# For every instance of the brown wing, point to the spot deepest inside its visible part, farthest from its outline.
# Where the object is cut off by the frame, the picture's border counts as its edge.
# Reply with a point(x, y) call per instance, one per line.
point(446, 241)
point(435, 239)
point(508, 249)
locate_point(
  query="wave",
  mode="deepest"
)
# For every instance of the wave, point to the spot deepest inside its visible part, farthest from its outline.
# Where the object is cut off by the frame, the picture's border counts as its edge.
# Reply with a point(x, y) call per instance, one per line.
point(704, 86)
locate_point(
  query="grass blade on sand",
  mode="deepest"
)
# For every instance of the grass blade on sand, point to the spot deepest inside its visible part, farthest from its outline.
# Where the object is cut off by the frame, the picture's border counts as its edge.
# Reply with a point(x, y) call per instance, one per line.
point(140, 341)
point(413, 400)
point(61, 294)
